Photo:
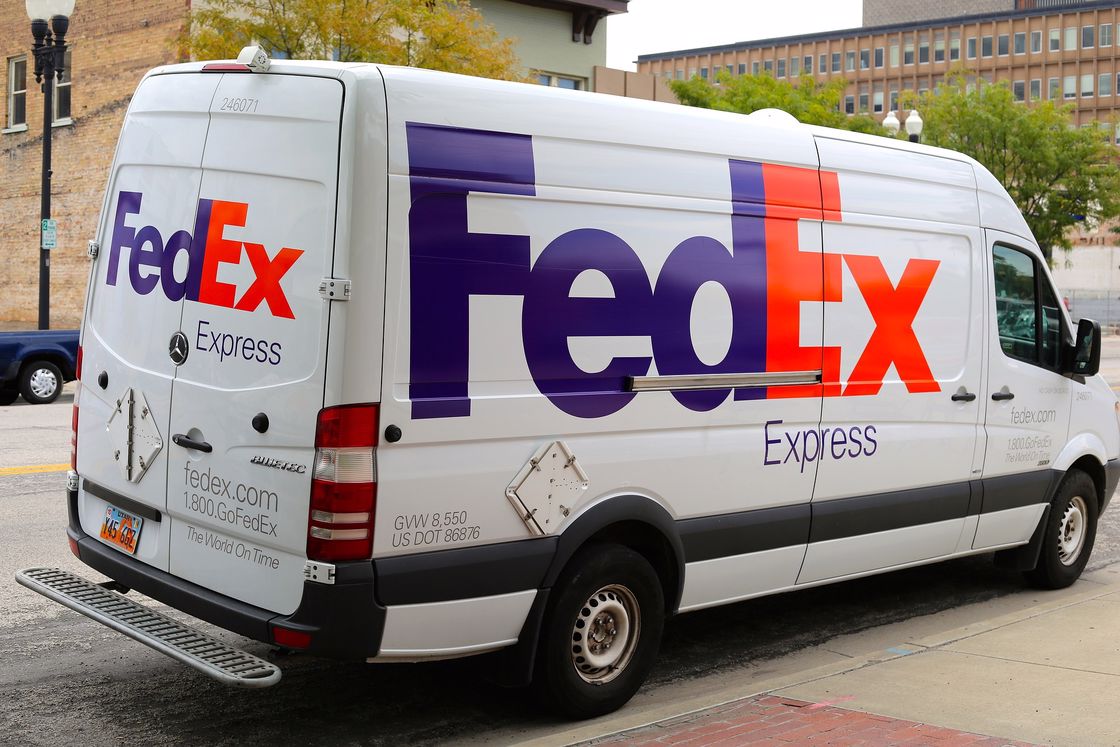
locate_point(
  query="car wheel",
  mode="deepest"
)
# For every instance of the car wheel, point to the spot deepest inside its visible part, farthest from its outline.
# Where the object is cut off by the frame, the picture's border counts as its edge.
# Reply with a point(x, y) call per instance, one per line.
point(1071, 529)
point(8, 396)
point(601, 632)
point(40, 382)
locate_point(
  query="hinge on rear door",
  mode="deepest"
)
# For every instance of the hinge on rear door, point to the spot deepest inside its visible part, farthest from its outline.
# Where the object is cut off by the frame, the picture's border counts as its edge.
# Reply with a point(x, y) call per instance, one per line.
point(334, 289)
point(92, 248)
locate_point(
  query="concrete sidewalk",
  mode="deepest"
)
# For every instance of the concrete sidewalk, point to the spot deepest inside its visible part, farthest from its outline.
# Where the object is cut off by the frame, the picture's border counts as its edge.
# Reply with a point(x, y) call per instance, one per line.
point(1030, 668)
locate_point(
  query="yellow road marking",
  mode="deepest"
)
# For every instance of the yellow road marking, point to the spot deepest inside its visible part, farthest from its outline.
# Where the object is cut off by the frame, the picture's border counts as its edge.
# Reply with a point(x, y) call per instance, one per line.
point(34, 469)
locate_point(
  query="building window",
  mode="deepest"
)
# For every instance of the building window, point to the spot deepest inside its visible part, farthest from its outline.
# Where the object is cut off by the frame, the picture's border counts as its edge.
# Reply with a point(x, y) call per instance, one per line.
point(908, 53)
point(894, 100)
point(1104, 84)
point(1036, 89)
point(807, 64)
point(1055, 89)
point(704, 73)
point(822, 66)
point(865, 59)
point(794, 67)
point(1069, 87)
point(62, 93)
point(1021, 42)
point(894, 55)
point(1104, 39)
point(850, 60)
point(864, 99)
point(972, 47)
point(878, 56)
point(742, 68)
point(849, 104)
point(754, 67)
point(955, 47)
point(1019, 90)
point(923, 50)
point(985, 46)
point(781, 67)
point(768, 67)
point(1036, 42)
point(1088, 37)
point(835, 62)
point(1071, 38)
point(680, 74)
point(17, 92)
point(1002, 45)
point(877, 102)
point(1055, 40)
point(1087, 85)
point(939, 50)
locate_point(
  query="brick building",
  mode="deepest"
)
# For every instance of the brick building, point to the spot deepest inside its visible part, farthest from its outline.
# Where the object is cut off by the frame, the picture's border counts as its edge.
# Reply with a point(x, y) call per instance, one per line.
point(112, 44)
point(1045, 49)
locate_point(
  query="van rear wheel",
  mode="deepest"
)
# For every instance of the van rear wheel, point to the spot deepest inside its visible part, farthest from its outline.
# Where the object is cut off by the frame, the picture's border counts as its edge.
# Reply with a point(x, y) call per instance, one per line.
point(1071, 529)
point(601, 632)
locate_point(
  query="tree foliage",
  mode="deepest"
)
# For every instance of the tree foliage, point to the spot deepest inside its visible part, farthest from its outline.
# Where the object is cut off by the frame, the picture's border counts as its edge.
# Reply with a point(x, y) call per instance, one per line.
point(1056, 173)
point(809, 101)
point(437, 34)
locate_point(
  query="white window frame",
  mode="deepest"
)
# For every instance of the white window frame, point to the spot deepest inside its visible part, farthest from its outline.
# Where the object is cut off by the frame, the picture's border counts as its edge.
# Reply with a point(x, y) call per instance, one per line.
point(56, 120)
point(12, 92)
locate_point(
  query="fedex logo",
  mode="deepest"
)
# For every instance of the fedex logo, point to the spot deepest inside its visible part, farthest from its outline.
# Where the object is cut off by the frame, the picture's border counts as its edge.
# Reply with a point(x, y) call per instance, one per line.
point(151, 260)
point(765, 274)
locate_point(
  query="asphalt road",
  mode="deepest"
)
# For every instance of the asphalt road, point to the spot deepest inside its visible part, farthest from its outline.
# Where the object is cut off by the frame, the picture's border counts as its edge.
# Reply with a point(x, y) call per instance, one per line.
point(65, 679)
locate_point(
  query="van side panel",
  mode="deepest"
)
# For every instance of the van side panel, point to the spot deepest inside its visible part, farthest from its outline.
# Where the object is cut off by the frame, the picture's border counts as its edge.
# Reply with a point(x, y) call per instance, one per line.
point(893, 487)
point(542, 249)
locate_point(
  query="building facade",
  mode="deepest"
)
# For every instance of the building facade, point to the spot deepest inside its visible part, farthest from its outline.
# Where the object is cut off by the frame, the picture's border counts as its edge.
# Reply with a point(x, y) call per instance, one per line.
point(1067, 54)
point(560, 43)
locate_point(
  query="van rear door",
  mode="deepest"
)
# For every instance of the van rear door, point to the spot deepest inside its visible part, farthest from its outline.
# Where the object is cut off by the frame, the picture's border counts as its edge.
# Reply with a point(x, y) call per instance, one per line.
point(245, 401)
point(135, 305)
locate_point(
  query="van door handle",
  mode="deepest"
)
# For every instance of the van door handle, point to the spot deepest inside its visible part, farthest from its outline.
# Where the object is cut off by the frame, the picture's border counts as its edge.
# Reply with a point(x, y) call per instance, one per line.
point(963, 396)
point(189, 443)
point(1002, 396)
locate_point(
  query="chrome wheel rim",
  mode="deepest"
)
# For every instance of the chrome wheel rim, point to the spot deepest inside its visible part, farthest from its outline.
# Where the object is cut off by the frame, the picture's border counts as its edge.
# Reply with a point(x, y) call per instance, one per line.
point(605, 634)
point(1071, 531)
point(43, 382)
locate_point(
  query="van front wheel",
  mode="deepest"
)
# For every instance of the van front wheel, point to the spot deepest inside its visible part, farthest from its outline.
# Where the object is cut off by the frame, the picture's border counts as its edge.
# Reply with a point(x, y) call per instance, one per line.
point(1070, 531)
point(601, 632)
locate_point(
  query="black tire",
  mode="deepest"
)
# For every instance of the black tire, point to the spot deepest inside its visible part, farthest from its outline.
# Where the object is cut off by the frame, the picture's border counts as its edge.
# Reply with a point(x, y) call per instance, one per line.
point(8, 396)
point(40, 382)
point(1071, 529)
point(604, 588)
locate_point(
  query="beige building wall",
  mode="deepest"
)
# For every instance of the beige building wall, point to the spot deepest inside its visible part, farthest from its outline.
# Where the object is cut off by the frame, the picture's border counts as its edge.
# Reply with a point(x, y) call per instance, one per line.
point(873, 60)
point(544, 39)
point(113, 44)
point(884, 12)
point(633, 85)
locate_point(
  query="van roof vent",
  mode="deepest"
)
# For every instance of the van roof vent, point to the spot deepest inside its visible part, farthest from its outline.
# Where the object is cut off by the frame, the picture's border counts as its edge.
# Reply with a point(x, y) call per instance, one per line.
point(773, 116)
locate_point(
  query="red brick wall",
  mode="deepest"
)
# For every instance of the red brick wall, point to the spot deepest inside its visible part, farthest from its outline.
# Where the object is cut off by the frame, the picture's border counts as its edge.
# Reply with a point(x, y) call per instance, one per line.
point(114, 43)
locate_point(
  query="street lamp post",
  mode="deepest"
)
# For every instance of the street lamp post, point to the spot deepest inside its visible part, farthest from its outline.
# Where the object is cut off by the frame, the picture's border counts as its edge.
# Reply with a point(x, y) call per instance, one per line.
point(49, 50)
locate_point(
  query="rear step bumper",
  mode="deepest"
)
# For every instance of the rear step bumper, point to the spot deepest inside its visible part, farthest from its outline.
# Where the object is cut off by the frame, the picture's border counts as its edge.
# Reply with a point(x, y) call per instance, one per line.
point(192, 647)
point(343, 619)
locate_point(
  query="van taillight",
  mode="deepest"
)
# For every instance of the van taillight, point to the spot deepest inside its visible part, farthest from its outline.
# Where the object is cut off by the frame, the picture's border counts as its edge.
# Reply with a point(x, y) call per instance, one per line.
point(343, 484)
point(74, 413)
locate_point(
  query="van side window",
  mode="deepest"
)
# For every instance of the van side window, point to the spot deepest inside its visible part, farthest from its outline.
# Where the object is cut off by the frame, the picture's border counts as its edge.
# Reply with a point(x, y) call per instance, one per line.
point(1027, 314)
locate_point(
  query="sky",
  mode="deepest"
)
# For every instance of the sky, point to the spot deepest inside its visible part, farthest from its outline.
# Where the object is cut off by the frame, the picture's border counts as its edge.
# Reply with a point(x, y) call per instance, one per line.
point(664, 25)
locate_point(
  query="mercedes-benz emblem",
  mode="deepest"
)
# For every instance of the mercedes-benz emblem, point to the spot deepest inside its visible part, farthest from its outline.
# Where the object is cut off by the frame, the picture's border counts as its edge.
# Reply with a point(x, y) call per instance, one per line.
point(178, 348)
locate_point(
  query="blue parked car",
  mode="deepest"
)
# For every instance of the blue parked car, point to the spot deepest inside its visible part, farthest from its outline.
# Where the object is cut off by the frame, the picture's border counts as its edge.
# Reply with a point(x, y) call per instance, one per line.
point(36, 364)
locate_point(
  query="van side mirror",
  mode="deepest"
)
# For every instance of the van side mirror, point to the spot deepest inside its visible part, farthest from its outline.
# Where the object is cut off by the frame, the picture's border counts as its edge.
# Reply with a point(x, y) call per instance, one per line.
point(1085, 355)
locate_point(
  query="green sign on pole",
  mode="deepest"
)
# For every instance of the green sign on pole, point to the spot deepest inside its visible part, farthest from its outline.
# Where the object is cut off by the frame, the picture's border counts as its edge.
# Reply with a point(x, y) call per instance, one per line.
point(50, 233)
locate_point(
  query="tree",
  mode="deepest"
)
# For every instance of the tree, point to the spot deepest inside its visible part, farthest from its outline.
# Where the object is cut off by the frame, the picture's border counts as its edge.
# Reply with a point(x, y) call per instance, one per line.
point(438, 34)
point(809, 101)
point(1056, 173)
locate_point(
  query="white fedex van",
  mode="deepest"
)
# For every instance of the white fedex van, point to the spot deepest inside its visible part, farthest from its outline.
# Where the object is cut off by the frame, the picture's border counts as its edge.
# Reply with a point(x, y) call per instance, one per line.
point(390, 364)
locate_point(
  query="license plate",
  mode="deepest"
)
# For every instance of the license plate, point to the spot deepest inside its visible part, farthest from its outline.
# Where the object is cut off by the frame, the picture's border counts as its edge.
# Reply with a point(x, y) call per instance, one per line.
point(122, 529)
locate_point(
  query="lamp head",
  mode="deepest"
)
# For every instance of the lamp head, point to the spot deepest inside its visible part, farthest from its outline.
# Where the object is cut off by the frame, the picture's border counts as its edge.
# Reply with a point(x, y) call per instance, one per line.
point(45, 9)
point(891, 123)
point(914, 123)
